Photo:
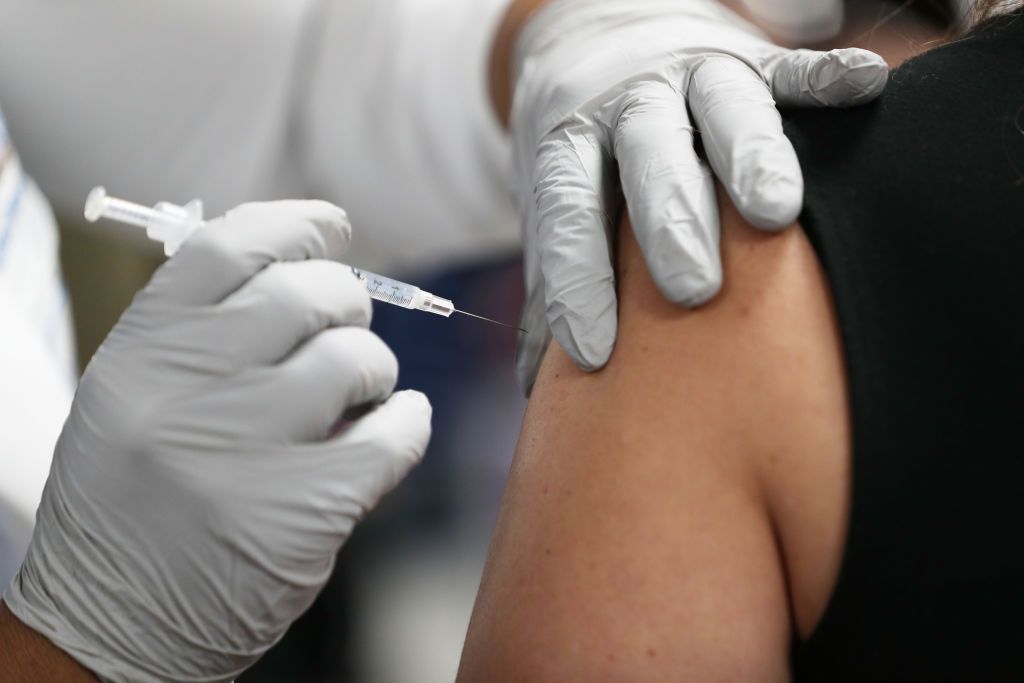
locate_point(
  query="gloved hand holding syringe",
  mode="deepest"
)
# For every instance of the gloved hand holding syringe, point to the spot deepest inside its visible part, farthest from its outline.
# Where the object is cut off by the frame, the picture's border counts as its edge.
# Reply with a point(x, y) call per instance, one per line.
point(171, 224)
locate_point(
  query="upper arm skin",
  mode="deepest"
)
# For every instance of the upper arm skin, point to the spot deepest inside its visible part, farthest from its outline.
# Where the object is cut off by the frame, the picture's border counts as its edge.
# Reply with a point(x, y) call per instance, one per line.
point(660, 512)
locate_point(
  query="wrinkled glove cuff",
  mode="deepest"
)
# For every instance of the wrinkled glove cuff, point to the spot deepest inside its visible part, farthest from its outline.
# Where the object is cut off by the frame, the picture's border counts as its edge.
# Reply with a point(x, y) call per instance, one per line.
point(558, 22)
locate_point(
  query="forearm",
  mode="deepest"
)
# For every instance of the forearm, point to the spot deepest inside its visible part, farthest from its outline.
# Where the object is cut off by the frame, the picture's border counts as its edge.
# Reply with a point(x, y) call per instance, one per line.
point(27, 657)
point(503, 50)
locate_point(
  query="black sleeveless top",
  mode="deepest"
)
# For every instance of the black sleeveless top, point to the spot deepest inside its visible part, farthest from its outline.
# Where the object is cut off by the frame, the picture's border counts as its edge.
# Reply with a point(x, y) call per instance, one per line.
point(915, 207)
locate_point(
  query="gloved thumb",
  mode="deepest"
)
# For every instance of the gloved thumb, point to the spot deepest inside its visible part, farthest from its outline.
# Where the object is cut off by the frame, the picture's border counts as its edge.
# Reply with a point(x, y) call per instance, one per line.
point(840, 78)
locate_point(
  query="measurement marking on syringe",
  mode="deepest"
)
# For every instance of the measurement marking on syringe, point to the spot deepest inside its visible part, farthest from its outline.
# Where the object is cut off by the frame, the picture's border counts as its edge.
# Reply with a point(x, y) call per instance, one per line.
point(397, 299)
point(388, 297)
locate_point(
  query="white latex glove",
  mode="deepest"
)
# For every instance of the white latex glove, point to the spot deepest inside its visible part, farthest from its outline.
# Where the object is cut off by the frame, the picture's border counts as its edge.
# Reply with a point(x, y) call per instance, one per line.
point(605, 81)
point(199, 493)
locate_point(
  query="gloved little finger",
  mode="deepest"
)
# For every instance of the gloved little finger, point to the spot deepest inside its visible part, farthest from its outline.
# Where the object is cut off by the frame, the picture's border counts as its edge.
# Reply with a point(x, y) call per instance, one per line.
point(368, 459)
point(840, 78)
point(742, 134)
point(285, 304)
point(670, 193)
point(574, 244)
point(304, 397)
point(223, 255)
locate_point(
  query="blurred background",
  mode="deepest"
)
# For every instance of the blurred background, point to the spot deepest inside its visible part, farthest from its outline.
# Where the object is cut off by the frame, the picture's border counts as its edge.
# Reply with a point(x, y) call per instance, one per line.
point(398, 605)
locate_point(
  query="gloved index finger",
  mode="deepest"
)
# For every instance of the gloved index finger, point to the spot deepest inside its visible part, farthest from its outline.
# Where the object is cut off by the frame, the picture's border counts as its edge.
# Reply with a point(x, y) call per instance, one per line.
point(742, 133)
point(228, 251)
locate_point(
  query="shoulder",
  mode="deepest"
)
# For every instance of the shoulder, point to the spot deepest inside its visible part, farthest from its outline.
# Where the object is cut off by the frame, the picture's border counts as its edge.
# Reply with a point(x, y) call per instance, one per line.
point(657, 509)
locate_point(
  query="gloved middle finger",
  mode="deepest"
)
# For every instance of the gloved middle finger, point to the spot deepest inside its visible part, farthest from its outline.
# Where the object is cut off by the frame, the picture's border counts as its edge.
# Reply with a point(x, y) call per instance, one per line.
point(742, 133)
point(285, 304)
point(670, 193)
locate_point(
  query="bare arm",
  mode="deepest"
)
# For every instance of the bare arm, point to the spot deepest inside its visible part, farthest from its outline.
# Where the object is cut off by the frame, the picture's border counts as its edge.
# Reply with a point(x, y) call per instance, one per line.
point(660, 513)
point(27, 657)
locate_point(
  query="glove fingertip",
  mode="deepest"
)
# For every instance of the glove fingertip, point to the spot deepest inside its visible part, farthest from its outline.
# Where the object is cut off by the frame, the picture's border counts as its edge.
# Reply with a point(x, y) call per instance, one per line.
point(773, 204)
point(589, 342)
point(846, 77)
point(333, 222)
point(841, 78)
point(418, 415)
point(692, 289)
point(856, 57)
point(414, 401)
point(866, 74)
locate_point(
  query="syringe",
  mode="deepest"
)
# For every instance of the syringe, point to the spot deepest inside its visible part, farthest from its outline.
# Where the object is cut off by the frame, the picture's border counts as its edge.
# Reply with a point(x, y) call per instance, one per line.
point(400, 294)
point(172, 224)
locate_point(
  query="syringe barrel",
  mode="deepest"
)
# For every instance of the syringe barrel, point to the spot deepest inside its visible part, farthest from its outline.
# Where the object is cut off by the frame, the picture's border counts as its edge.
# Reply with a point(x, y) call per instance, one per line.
point(401, 294)
point(387, 290)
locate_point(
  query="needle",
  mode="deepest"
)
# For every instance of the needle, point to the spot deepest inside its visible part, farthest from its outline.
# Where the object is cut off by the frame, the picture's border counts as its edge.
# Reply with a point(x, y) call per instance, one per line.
point(480, 317)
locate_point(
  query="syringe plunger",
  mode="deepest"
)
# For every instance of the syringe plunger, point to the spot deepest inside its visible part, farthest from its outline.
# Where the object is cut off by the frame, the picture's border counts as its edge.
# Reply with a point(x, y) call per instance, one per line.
point(166, 222)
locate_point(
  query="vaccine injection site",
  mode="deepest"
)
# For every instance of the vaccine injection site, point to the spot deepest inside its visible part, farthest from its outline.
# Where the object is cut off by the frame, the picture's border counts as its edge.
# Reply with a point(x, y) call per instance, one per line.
point(511, 341)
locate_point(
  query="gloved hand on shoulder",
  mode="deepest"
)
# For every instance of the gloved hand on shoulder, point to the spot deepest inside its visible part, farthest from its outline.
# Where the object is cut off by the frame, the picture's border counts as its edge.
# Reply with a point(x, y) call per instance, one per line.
point(614, 94)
